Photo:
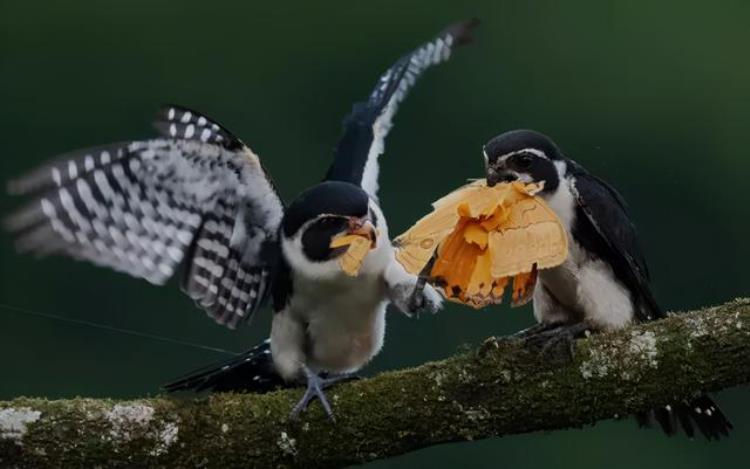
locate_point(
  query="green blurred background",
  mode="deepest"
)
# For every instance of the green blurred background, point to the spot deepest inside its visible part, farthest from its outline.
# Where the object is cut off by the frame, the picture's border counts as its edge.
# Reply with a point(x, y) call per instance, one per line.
point(653, 96)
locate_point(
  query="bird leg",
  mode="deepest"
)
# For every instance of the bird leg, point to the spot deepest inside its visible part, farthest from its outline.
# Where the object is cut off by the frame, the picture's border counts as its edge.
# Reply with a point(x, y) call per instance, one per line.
point(416, 300)
point(315, 388)
point(557, 343)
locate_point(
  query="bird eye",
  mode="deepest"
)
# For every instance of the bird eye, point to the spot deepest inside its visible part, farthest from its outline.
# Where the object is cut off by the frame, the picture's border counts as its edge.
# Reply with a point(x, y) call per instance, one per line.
point(523, 161)
point(332, 223)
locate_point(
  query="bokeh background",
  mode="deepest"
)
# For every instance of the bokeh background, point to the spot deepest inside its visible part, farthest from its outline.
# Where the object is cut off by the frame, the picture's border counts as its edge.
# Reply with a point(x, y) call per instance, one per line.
point(653, 96)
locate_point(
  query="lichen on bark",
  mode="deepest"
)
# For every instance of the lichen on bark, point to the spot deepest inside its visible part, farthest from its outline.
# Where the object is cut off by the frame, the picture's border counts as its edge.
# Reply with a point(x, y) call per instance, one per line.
point(498, 389)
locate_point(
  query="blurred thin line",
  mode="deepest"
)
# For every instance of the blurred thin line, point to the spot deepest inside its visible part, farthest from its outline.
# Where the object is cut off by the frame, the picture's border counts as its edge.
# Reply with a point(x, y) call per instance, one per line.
point(105, 327)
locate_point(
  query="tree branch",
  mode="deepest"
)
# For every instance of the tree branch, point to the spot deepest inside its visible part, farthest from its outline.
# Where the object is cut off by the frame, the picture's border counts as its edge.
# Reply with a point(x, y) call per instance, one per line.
point(498, 389)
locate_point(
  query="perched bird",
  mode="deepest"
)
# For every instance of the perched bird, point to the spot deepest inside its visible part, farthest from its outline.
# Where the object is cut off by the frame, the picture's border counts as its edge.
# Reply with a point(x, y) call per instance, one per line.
point(199, 196)
point(604, 282)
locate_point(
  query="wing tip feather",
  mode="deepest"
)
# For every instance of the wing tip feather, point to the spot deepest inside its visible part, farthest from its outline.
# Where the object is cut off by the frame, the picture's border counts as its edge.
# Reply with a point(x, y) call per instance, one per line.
point(462, 32)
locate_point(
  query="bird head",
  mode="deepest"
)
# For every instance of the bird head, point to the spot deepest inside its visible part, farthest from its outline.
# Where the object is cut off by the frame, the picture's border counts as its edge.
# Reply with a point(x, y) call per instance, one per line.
point(526, 156)
point(321, 214)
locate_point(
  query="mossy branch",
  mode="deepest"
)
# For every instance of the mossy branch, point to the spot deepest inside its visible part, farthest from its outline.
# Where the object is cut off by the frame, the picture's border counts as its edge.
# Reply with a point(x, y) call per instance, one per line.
point(498, 389)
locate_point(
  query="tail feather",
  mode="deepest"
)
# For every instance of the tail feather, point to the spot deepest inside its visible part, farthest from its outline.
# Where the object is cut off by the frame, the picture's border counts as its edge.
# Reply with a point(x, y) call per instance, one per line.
point(701, 412)
point(709, 418)
point(686, 423)
point(251, 371)
point(666, 419)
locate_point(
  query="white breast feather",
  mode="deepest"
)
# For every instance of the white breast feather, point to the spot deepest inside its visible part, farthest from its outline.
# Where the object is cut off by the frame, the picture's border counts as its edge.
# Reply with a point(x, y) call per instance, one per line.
point(344, 316)
point(582, 285)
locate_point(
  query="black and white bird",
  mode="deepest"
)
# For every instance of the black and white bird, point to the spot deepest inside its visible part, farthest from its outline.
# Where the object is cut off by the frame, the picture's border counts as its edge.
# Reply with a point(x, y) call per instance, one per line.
point(198, 196)
point(604, 283)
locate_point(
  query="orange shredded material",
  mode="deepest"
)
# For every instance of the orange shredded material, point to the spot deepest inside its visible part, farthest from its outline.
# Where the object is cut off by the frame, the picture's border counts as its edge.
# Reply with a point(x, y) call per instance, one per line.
point(483, 238)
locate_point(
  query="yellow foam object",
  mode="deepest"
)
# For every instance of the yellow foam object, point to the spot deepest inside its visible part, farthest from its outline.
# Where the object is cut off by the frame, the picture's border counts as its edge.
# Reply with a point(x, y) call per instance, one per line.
point(482, 239)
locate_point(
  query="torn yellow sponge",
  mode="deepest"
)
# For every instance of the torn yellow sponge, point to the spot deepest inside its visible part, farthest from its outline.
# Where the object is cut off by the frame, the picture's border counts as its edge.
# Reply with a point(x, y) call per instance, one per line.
point(483, 238)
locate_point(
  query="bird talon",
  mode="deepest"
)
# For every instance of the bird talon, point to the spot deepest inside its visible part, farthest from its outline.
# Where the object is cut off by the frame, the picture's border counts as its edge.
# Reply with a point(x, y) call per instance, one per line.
point(315, 389)
point(556, 343)
point(415, 303)
point(535, 330)
point(560, 348)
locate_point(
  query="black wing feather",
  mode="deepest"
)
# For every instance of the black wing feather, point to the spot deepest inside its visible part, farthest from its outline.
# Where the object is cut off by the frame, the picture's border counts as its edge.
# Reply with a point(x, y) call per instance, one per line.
point(605, 212)
point(368, 124)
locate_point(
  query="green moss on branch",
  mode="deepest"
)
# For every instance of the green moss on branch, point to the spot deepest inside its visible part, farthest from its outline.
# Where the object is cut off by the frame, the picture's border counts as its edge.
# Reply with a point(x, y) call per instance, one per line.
point(498, 389)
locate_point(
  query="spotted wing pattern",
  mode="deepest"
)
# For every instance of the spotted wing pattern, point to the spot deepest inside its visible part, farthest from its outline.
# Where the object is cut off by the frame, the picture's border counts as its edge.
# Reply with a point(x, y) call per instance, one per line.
point(144, 207)
point(180, 122)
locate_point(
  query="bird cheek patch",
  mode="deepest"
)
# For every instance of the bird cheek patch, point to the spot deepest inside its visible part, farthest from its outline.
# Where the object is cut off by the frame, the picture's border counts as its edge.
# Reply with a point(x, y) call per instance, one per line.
point(482, 239)
point(357, 247)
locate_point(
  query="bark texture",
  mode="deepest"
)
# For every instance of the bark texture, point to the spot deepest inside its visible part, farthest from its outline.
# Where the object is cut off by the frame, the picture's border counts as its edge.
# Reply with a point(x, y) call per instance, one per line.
point(498, 389)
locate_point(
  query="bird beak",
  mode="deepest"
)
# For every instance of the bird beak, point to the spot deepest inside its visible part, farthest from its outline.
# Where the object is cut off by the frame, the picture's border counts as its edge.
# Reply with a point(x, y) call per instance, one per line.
point(494, 176)
point(363, 227)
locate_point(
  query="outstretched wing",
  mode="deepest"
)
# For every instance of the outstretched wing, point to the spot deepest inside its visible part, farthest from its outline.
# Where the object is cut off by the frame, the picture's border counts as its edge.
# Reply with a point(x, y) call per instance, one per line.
point(365, 129)
point(606, 215)
point(198, 195)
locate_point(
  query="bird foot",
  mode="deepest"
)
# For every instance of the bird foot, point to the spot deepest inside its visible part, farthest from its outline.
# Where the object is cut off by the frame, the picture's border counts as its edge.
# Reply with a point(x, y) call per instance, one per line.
point(415, 303)
point(524, 334)
point(315, 388)
point(556, 343)
point(423, 297)
point(534, 330)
